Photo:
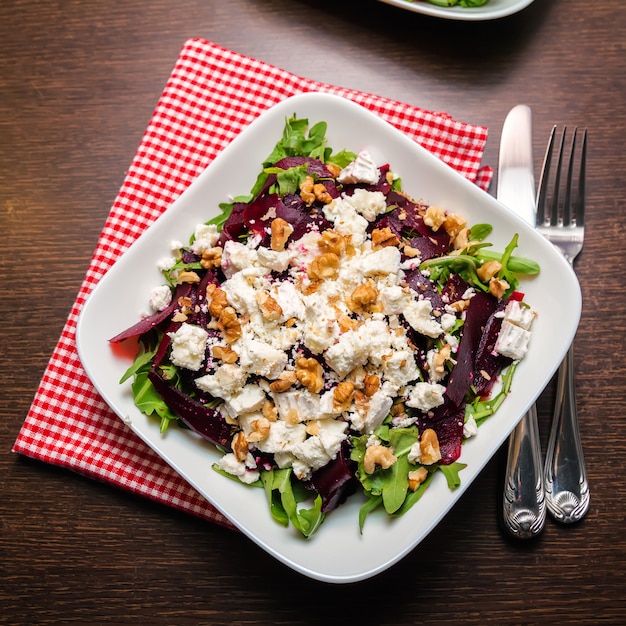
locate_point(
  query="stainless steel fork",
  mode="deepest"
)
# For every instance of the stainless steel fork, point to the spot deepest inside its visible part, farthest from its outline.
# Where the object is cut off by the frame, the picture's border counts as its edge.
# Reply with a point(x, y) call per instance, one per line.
point(567, 489)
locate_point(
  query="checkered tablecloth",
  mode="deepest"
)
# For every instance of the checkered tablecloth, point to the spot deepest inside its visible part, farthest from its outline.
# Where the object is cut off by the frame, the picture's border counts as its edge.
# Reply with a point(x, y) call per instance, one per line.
point(211, 95)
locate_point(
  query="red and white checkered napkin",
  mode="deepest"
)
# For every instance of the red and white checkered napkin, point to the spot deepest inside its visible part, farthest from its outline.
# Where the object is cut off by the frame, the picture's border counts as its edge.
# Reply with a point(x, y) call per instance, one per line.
point(212, 94)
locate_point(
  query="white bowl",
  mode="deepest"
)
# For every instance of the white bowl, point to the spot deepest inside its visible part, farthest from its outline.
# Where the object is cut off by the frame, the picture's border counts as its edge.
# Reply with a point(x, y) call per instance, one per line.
point(337, 553)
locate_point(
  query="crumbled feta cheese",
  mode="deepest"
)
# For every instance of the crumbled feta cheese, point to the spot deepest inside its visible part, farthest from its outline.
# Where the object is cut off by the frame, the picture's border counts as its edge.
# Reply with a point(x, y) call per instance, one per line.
point(522, 316)
point(230, 464)
point(237, 256)
point(370, 204)
point(470, 428)
point(348, 353)
point(418, 314)
point(415, 453)
point(400, 369)
point(383, 261)
point(188, 346)
point(393, 299)
point(362, 170)
point(447, 321)
point(250, 398)
point(426, 396)
point(277, 261)
point(166, 263)
point(205, 238)
point(160, 298)
point(298, 405)
point(379, 407)
point(512, 341)
point(228, 378)
point(258, 357)
point(346, 219)
point(316, 451)
point(282, 437)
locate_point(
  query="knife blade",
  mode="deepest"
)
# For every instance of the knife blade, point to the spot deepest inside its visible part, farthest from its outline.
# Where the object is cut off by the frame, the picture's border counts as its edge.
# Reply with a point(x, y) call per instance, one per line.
point(523, 505)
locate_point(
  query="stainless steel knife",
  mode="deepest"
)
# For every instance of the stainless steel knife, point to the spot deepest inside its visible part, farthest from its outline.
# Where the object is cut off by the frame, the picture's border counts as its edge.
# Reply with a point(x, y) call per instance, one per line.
point(524, 506)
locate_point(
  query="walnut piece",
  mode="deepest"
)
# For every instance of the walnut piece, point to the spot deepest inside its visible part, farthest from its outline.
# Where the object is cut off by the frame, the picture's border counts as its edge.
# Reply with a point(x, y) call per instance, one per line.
point(371, 384)
point(453, 224)
point(429, 447)
point(321, 193)
point(187, 276)
point(260, 430)
point(498, 287)
point(434, 217)
point(217, 301)
point(488, 270)
point(363, 298)
point(229, 324)
point(323, 266)
point(280, 231)
point(332, 241)
point(225, 354)
point(378, 455)
point(343, 394)
point(239, 446)
point(310, 374)
point(270, 309)
point(306, 190)
point(283, 382)
point(211, 258)
point(383, 237)
point(417, 477)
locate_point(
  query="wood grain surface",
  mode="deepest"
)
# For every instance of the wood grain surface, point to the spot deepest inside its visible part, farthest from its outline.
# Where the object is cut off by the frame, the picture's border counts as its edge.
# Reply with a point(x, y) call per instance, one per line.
point(78, 84)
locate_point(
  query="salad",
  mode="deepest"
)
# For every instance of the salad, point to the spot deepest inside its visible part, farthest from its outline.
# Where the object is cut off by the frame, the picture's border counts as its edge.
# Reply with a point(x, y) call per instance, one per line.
point(330, 334)
point(461, 3)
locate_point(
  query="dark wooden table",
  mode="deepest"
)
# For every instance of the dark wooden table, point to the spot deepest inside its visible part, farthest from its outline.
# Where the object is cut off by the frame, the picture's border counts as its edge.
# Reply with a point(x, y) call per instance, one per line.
point(78, 83)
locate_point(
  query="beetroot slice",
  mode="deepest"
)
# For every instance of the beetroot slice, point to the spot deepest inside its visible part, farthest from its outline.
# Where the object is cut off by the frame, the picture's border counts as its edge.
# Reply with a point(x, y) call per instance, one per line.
point(207, 422)
point(335, 481)
point(480, 308)
point(447, 421)
point(148, 323)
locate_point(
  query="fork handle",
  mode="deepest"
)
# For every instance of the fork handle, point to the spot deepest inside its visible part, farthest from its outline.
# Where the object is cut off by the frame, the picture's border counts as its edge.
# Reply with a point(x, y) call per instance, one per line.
point(524, 506)
point(567, 490)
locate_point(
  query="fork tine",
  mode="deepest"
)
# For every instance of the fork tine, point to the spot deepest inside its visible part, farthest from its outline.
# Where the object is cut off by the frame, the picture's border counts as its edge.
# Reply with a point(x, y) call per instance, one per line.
point(542, 195)
point(554, 213)
point(567, 206)
point(580, 201)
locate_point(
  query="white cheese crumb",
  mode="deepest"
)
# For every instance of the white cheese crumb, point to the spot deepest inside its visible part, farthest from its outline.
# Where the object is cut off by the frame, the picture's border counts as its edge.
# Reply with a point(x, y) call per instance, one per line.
point(228, 378)
point(470, 428)
point(512, 341)
point(206, 237)
point(362, 170)
point(418, 315)
point(426, 396)
point(160, 298)
point(188, 346)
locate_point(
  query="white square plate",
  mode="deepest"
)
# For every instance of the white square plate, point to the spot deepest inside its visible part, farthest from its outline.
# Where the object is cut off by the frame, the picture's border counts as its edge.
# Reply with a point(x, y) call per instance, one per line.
point(337, 553)
point(494, 9)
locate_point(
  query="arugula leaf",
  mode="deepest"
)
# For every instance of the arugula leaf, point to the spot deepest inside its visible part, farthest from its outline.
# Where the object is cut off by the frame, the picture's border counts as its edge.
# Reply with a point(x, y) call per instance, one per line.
point(451, 472)
point(147, 399)
point(373, 502)
point(288, 180)
point(480, 232)
point(296, 142)
point(413, 496)
point(283, 500)
point(480, 410)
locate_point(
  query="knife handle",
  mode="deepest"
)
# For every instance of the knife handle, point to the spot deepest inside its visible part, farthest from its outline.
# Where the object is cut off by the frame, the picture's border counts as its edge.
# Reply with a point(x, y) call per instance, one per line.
point(567, 490)
point(524, 506)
